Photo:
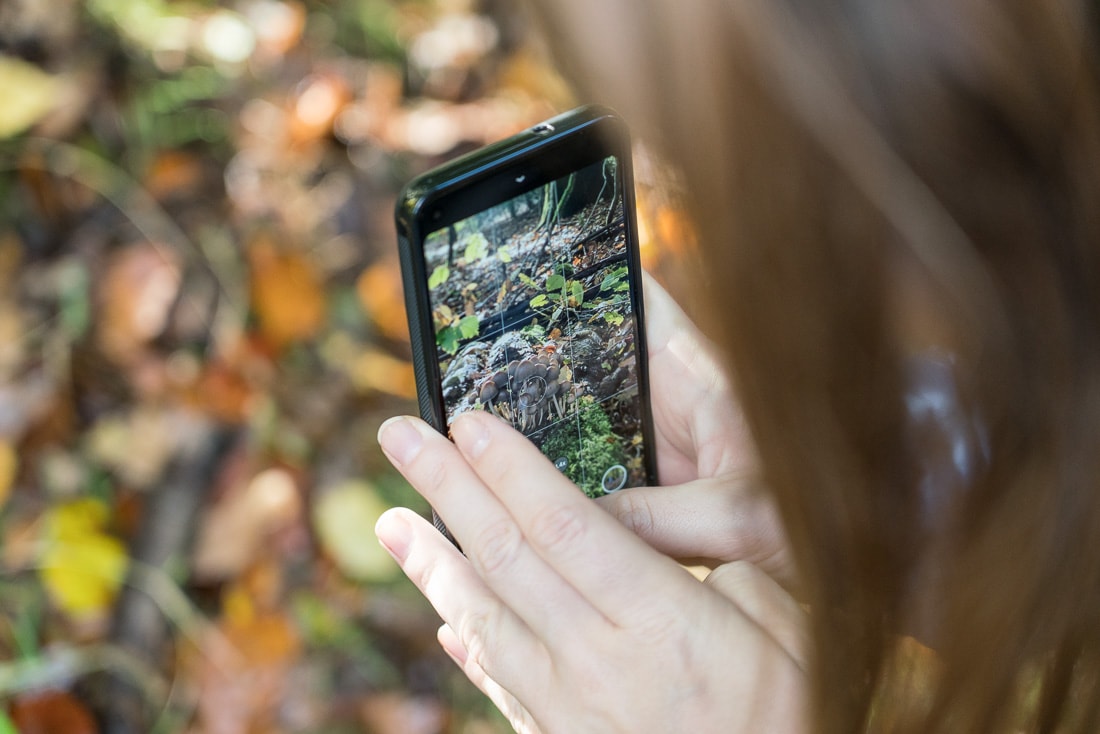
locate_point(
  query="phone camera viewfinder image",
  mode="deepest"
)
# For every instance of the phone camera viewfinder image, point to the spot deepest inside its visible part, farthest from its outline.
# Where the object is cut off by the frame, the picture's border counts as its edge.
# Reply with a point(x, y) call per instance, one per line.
point(531, 308)
point(522, 285)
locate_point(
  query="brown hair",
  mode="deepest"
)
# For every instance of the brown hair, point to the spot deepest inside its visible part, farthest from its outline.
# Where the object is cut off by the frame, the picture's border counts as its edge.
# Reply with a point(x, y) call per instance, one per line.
point(872, 180)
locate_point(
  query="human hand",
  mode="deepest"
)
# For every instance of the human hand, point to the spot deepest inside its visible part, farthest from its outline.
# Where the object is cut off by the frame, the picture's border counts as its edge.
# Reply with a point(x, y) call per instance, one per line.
point(713, 508)
point(565, 619)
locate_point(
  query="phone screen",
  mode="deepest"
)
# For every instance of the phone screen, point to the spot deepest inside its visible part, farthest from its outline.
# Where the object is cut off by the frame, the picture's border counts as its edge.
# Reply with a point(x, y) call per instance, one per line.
point(532, 312)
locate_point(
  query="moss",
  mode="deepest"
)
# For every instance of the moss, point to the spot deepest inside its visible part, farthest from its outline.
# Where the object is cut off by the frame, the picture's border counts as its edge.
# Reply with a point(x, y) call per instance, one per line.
point(598, 449)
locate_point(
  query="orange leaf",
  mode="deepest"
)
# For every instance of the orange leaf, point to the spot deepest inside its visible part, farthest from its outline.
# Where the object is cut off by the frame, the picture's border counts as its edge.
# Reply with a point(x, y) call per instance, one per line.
point(51, 712)
point(379, 289)
point(322, 98)
point(174, 172)
point(287, 293)
point(376, 370)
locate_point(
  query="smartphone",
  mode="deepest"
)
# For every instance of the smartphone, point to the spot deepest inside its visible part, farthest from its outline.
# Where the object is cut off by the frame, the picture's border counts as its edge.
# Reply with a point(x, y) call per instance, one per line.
point(524, 295)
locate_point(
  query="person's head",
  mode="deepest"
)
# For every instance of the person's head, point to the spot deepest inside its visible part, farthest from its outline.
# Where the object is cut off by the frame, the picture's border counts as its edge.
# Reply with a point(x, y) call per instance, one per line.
point(873, 181)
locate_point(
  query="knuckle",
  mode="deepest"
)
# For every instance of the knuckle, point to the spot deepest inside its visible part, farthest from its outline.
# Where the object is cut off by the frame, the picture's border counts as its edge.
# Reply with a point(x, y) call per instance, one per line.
point(635, 512)
point(558, 528)
point(497, 547)
point(738, 579)
point(474, 632)
point(431, 472)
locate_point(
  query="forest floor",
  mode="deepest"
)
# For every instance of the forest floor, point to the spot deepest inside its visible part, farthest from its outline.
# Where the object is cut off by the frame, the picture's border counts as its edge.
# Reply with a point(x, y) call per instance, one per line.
point(201, 329)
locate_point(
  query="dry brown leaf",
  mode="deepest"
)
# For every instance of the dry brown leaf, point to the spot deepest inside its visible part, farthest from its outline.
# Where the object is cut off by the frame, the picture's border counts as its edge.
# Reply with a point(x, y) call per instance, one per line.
point(174, 172)
point(527, 72)
point(222, 392)
point(51, 712)
point(318, 104)
point(234, 530)
point(241, 673)
point(136, 297)
point(395, 713)
point(380, 292)
point(287, 293)
point(374, 369)
point(278, 26)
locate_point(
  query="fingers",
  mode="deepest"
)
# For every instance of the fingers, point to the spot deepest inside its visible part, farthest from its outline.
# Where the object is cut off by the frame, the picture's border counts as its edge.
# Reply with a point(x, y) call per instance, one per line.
point(489, 634)
point(493, 541)
point(506, 703)
point(591, 551)
point(764, 602)
point(723, 519)
point(699, 428)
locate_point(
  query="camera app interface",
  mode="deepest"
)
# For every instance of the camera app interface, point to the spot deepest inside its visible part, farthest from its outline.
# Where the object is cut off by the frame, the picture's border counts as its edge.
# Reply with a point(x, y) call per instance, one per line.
point(531, 306)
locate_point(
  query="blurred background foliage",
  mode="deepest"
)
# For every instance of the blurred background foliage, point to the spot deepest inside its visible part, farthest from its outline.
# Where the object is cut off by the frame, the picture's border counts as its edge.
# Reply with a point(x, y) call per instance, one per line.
point(201, 328)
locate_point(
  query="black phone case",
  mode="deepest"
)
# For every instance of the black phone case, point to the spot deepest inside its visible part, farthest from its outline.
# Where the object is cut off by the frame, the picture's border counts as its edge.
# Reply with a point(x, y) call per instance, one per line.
point(495, 172)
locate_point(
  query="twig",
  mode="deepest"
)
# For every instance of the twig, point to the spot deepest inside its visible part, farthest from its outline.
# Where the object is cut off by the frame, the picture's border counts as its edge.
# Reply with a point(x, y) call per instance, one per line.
point(151, 598)
point(62, 664)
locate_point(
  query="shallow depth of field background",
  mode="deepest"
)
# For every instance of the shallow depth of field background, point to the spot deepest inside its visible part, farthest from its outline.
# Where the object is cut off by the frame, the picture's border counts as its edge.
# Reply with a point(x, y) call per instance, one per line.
point(201, 328)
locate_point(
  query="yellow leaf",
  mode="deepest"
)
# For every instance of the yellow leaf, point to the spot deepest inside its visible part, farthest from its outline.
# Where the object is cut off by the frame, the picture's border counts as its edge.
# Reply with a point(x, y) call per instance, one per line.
point(81, 566)
point(28, 94)
point(344, 518)
point(9, 466)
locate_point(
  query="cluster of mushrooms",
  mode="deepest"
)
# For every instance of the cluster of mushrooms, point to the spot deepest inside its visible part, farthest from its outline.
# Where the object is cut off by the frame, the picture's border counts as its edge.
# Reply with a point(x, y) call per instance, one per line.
point(530, 391)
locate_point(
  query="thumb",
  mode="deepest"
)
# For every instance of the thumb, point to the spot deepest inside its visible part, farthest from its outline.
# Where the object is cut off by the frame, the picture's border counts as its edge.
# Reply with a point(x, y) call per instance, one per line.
point(709, 522)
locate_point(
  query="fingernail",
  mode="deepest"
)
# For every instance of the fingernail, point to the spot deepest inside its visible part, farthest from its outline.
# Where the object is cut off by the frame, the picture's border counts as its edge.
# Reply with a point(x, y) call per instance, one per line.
point(400, 440)
point(470, 435)
point(395, 534)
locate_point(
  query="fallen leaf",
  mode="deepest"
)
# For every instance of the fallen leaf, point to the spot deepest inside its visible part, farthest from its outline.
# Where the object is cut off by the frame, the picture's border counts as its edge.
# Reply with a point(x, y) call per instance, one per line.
point(278, 25)
point(9, 466)
point(28, 93)
point(320, 101)
point(241, 672)
point(374, 369)
point(174, 172)
point(137, 445)
point(50, 712)
point(344, 517)
point(287, 293)
point(380, 293)
point(136, 297)
point(234, 530)
point(81, 566)
point(395, 713)
point(224, 391)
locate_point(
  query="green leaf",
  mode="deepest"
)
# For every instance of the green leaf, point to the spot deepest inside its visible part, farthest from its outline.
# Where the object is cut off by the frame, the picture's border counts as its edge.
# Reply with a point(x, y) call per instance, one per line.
point(612, 317)
point(555, 281)
point(577, 289)
point(6, 727)
point(469, 327)
point(539, 300)
point(447, 339)
point(614, 280)
point(504, 256)
point(477, 247)
point(439, 277)
point(528, 281)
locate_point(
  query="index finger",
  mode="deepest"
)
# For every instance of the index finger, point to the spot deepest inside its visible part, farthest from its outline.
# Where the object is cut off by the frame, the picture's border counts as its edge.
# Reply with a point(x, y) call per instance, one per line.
point(607, 564)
